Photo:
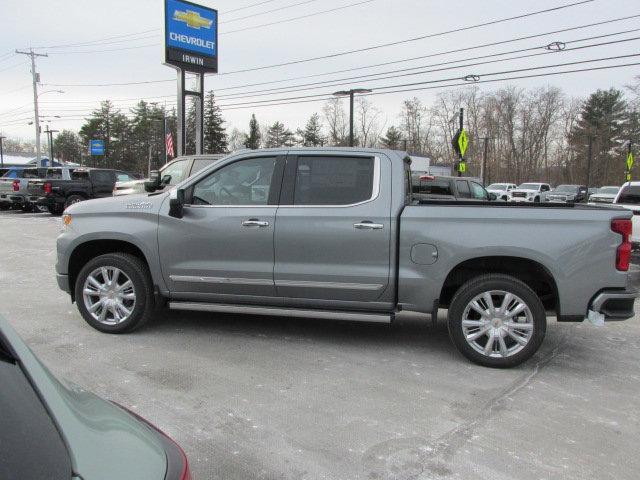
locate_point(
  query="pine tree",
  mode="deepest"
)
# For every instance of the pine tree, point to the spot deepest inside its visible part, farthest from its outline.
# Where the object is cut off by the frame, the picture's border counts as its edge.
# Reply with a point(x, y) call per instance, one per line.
point(67, 146)
point(254, 137)
point(279, 136)
point(603, 118)
point(215, 136)
point(190, 129)
point(312, 136)
point(392, 138)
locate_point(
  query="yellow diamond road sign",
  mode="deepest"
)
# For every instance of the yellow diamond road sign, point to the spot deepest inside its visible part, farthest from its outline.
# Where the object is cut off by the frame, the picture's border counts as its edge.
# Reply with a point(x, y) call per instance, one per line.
point(629, 161)
point(463, 141)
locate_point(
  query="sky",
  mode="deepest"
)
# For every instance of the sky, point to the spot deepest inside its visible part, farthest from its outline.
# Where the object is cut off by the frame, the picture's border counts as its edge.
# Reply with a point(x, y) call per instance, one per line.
point(122, 42)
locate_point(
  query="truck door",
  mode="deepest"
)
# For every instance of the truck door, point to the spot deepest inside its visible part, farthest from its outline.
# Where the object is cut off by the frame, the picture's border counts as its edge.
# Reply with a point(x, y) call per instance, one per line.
point(223, 244)
point(333, 228)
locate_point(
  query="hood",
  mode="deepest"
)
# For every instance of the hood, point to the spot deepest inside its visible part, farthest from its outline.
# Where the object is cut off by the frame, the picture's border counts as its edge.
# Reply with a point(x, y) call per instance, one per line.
point(524, 190)
point(141, 202)
point(104, 442)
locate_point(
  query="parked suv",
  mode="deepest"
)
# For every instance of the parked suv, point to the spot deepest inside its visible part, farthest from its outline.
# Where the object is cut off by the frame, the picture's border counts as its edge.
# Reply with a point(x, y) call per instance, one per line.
point(566, 193)
point(529, 192)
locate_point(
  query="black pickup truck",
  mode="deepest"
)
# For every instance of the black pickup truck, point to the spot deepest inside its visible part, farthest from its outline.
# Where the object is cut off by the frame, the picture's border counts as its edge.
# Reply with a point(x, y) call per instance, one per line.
point(85, 183)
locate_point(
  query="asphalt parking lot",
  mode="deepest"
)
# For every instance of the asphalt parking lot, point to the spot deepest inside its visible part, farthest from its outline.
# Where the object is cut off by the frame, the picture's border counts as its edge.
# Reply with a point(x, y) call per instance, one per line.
point(269, 398)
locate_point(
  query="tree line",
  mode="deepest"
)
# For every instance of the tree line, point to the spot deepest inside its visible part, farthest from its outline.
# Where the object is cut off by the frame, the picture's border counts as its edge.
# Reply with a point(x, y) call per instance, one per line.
point(539, 134)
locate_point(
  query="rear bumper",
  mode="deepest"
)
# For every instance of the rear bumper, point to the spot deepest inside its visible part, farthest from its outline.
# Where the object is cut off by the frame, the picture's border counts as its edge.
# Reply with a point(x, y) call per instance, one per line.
point(49, 201)
point(12, 199)
point(614, 304)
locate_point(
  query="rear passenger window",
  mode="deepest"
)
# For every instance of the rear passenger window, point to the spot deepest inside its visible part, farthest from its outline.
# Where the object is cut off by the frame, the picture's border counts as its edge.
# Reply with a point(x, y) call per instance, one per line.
point(333, 180)
point(103, 176)
point(463, 189)
point(55, 173)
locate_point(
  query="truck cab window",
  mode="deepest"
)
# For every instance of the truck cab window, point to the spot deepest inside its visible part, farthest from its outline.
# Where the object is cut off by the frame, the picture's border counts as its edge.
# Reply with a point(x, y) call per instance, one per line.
point(478, 192)
point(333, 180)
point(246, 182)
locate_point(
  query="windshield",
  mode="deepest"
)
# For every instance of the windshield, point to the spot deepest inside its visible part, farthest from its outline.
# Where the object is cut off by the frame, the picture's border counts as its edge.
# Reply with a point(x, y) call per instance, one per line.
point(566, 188)
point(612, 190)
point(497, 186)
point(529, 186)
point(630, 195)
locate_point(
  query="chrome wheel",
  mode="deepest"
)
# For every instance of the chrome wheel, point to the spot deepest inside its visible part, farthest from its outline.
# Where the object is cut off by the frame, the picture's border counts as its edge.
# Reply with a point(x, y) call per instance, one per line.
point(109, 295)
point(497, 323)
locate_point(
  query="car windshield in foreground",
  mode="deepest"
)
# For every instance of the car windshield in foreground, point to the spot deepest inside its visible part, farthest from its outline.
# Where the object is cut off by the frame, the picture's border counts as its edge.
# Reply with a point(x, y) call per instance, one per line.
point(497, 186)
point(529, 186)
point(612, 190)
point(630, 195)
point(566, 188)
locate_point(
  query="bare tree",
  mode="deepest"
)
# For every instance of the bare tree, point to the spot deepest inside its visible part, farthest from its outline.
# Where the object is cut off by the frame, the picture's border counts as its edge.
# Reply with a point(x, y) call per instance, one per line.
point(337, 122)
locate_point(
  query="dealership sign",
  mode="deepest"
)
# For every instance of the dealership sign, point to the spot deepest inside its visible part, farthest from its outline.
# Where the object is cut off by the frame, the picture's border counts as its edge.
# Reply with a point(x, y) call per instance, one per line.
point(191, 36)
point(96, 147)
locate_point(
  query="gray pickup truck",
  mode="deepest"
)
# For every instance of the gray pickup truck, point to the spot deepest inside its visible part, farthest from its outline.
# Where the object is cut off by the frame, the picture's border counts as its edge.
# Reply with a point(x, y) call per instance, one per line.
point(337, 234)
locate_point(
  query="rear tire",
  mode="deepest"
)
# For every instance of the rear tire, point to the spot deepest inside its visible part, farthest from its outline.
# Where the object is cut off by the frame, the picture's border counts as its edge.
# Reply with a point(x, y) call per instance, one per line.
point(71, 199)
point(115, 302)
point(27, 207)
point(497, 336)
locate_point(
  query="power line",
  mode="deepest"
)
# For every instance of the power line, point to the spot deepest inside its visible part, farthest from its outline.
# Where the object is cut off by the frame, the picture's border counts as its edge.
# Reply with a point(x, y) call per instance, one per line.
point(250, 6)
point(267, 11)
point(395, 73)
point(414, 39)
point(452, 78)
point(457, 50)
point(286, 20)
point(462, 84)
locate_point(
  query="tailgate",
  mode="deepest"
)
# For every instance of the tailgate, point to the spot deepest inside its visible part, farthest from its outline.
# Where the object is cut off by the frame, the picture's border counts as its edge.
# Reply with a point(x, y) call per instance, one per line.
point(35, 187)
point(6, 185)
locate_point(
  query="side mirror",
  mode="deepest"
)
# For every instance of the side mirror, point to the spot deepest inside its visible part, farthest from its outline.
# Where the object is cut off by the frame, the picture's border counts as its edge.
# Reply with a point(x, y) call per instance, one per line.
point(153, 183)
point(176, 202)
point(492, 197)
point(165, 180)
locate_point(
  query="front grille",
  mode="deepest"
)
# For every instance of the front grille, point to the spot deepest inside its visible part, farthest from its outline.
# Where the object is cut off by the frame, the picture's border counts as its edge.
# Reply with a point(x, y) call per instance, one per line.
point(557, 198)
point(519, 194)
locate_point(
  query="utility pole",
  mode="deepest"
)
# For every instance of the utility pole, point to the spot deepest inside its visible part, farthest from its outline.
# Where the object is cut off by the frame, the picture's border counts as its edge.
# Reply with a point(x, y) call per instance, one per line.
point(1, 152)
point(350, 94)
point(483, 166)
point(50, 143)
point(36, 78)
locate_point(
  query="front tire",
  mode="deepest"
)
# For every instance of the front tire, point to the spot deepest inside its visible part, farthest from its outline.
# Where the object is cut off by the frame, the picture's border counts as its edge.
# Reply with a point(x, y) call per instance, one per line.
point(114, 293)
point(496, 320)
point(55, 209)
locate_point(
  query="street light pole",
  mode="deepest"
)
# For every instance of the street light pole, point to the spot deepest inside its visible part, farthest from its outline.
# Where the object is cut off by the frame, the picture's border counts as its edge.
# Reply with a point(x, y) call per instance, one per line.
point(50, 143)
point(351, 93)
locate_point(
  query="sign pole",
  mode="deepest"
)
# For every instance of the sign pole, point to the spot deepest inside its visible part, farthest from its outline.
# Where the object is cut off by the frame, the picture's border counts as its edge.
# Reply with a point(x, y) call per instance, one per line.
point(180, 121)
point(200, 115)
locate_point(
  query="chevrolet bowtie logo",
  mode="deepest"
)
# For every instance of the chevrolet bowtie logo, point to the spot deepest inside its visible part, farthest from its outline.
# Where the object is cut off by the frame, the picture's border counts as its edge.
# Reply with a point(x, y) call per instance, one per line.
point(192, 19)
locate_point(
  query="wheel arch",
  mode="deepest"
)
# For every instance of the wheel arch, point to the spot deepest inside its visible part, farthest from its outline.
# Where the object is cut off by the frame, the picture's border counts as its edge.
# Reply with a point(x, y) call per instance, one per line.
point(534, 274)
point(85, 251)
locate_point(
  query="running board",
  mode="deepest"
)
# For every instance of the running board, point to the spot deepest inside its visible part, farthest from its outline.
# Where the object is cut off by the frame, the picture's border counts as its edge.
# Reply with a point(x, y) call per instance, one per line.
point(282, 312)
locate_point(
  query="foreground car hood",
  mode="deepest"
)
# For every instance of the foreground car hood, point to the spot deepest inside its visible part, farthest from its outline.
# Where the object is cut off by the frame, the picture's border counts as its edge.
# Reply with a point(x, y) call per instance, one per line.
point(103, 441)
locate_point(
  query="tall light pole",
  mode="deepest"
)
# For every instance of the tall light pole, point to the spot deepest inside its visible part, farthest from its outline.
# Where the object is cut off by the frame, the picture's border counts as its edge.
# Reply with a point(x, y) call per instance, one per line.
point(36, 79)
point(350, 94)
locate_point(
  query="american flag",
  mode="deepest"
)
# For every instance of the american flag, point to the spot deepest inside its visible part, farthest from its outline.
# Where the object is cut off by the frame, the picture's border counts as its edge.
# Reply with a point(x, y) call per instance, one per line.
point(168, 140)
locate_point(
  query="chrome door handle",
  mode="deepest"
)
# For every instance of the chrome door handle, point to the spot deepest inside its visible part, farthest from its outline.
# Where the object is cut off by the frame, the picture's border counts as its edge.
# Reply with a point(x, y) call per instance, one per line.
point(368, 226)
point(254, 223)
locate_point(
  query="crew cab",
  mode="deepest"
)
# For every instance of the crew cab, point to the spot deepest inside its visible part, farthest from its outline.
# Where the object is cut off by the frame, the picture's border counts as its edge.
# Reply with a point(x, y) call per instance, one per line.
point(430, 187)
point(337, 233)
point(529, 192)
point(84, 184)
